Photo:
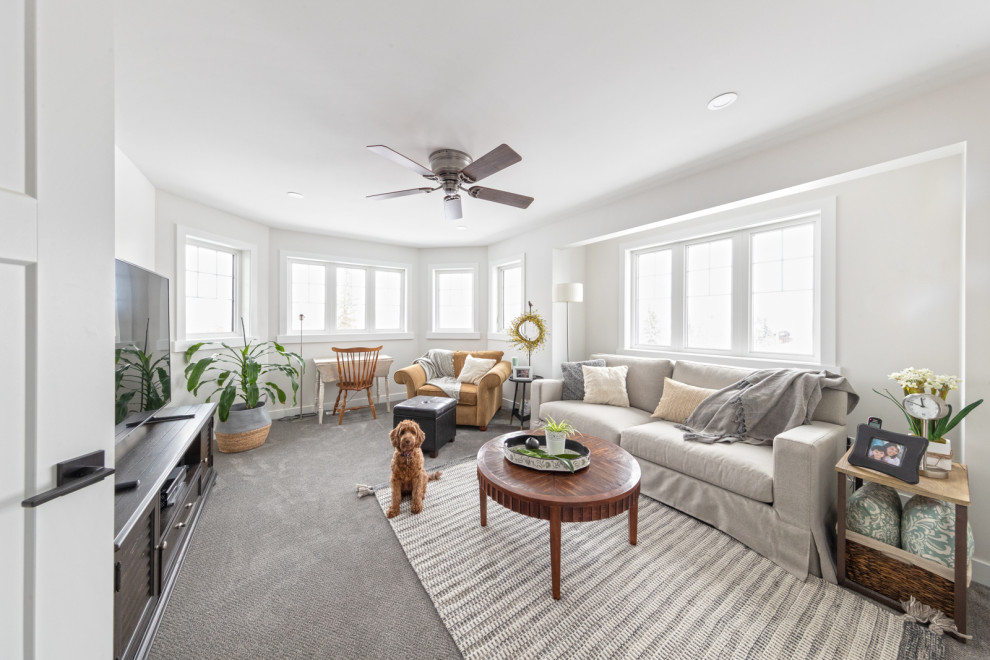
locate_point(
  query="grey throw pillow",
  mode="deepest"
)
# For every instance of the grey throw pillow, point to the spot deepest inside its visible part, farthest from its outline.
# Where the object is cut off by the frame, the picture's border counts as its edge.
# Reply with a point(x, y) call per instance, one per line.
point(574, 378)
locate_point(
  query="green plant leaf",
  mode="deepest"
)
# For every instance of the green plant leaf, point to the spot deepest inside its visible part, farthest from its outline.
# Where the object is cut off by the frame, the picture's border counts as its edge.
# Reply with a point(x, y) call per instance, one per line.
point(278, 390)
point(197, 373)
point(226, 400)
point(958, 418)
point(192, 349)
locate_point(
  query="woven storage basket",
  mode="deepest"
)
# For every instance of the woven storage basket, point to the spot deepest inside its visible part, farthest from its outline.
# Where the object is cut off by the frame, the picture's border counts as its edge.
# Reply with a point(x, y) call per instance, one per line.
point(231, 443)
point(897, 574)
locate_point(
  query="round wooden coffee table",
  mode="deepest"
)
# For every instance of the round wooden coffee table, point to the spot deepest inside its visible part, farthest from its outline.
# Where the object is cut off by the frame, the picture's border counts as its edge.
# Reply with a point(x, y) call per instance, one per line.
point(606, 488)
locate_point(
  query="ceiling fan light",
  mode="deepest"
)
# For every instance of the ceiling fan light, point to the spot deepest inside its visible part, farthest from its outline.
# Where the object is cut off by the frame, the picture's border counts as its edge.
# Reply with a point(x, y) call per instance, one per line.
point(722, 101)
point(452, 207)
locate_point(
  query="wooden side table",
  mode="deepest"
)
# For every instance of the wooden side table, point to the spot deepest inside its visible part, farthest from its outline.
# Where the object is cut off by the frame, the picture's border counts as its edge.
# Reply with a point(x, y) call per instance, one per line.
point(327, 368)
point(926, 575)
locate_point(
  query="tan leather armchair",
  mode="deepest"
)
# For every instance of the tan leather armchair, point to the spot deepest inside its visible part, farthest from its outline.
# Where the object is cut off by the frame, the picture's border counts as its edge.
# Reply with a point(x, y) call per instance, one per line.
point(477, 404)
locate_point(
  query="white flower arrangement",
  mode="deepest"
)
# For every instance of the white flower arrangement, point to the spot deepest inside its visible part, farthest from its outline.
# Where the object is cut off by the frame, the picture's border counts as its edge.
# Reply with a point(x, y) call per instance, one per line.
point(922, 380)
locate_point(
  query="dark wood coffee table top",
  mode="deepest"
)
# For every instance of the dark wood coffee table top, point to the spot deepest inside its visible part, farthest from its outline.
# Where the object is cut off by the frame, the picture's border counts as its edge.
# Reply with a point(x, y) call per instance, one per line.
point(608, 487)
point(612, 474)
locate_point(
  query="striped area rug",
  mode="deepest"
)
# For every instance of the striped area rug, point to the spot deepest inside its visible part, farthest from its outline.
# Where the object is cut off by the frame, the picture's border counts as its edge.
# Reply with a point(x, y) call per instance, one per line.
point(685, 591)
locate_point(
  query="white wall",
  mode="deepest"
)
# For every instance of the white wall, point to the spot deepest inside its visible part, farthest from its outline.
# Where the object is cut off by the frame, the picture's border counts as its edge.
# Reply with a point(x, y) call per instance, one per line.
point(172, 211)
point(134, 211)
point(403, 351)
point(886, 299)
point(931, 121)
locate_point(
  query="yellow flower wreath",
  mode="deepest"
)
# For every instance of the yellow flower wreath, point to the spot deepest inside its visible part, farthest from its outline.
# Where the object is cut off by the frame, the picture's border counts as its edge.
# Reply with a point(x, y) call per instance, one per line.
point(522, 341)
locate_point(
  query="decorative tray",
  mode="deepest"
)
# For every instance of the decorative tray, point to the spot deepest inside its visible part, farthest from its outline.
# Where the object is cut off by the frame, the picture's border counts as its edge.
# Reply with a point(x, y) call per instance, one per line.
point(581, 459)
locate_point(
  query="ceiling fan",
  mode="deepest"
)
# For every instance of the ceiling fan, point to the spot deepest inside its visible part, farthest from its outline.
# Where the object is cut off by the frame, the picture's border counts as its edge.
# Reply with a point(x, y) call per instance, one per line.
point(452, 168)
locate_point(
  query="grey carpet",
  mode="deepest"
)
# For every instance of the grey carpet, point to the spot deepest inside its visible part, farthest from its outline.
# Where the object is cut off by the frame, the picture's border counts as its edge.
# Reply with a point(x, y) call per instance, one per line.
point(286, 562)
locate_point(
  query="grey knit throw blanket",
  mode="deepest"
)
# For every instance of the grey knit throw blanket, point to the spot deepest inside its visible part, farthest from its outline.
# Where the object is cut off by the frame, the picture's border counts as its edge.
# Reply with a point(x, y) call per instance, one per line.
point(438, 363)
point(762, 405)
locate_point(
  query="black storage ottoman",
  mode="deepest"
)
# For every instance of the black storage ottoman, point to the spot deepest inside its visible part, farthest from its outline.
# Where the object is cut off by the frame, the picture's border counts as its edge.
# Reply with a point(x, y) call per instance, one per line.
point(435, 415)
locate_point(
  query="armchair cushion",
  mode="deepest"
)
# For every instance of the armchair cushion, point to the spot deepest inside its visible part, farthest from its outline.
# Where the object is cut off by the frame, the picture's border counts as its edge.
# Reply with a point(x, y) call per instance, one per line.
point(461, 356)
point(475, 369)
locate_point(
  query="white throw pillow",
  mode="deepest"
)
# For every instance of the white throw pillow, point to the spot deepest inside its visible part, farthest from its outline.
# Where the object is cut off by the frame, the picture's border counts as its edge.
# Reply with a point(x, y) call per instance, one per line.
point(605, 385)
point(474, 369)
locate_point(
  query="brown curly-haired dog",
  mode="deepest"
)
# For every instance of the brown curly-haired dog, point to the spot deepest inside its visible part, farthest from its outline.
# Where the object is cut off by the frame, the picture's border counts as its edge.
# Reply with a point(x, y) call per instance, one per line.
point(408, 475)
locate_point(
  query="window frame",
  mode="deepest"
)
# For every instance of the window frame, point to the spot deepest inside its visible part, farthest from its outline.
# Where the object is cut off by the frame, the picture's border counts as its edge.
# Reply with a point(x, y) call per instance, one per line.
point(330, 332)
point(453, 333)
point(245, 290)
point(820, 213)
point(497, 293)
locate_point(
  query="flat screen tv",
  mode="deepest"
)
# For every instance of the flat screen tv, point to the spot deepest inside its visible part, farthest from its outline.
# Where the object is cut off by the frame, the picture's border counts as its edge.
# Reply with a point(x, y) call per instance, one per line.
point(142, 356)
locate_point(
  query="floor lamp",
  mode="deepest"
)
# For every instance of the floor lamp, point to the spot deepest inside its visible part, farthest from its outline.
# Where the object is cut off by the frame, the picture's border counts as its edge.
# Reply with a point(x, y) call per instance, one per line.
point(568, 293)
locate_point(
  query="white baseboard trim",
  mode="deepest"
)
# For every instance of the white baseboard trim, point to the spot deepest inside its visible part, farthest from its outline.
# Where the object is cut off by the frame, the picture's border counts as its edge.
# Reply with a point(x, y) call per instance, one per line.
point(278, 413)
point(981, 571)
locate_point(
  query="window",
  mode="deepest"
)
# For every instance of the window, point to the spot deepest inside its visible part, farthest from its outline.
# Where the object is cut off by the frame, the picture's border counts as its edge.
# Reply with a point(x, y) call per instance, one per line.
point(453, 301)
point(753, 292)
point(338, 298)
point(508, 295)
point(213, 289)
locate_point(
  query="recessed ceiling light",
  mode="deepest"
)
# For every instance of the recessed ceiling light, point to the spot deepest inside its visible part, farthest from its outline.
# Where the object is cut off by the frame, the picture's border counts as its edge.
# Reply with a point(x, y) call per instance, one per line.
point(461, 227)
point(294, 195)
point(722, 101)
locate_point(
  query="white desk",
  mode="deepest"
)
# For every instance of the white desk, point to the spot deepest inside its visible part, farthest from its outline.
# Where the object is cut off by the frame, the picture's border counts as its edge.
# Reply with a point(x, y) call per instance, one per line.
point(327, 368)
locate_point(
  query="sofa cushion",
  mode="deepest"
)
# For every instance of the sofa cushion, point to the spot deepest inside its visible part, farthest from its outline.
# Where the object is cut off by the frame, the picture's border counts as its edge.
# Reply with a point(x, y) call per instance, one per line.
point(468, 395)
point(743, 469)
point(679, 400)
point(712, 376)
point(606, 385)
point(601, 421)
point(644, 382)
point(460, 356)
point(573, 377)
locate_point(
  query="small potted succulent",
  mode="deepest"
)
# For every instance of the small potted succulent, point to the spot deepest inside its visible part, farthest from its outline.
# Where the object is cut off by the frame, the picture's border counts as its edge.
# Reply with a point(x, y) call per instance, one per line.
point(556, 434)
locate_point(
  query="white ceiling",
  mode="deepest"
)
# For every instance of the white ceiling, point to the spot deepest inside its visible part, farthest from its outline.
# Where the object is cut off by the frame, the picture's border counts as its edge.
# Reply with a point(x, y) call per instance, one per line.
point(233, 104)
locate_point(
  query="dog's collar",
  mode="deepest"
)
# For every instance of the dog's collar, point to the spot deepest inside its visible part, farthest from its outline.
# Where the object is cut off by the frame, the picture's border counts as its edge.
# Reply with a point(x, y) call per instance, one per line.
point(406, 455)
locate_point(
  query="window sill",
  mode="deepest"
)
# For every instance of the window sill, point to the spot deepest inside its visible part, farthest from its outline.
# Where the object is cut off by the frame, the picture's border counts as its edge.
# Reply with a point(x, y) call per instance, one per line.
point(181, 346)
point(753, 362)
point(357, 336)
point(453, 335)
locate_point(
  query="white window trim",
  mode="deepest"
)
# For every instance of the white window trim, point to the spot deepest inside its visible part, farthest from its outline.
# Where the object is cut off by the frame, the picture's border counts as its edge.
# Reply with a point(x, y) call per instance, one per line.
point(287, 336)
point(442, 333)
point(710, 228)
point(245, 279)
point(495, 297)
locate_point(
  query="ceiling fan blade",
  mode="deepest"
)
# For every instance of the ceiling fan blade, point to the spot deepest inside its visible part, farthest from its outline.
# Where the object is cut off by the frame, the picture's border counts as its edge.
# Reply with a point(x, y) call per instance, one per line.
point(399, 159)
point(401, 193)
point(500, 196)
point(494, 161)
point(452, 207)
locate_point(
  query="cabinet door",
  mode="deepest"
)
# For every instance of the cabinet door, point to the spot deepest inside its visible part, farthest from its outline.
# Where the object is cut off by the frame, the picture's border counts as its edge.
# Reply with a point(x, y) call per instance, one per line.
point(135, 592)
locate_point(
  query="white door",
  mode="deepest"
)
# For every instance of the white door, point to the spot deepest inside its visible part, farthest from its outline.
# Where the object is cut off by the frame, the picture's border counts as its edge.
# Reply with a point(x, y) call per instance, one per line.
point(56, 324)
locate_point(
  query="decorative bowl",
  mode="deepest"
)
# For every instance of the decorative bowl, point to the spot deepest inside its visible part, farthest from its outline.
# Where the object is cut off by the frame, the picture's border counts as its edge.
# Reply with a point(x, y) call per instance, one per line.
point(545, 464)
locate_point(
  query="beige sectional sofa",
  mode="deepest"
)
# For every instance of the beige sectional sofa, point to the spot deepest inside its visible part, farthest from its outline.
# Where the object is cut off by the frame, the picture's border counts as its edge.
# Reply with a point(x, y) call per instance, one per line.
point(778, 500)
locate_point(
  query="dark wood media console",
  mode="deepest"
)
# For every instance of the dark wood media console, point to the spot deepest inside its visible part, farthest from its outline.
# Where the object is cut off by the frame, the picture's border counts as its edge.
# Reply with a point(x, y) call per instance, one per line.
point(151, 536)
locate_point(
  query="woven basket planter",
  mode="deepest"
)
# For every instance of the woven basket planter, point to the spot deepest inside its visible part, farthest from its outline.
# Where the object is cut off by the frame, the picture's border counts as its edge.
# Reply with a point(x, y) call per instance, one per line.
point(244, 429)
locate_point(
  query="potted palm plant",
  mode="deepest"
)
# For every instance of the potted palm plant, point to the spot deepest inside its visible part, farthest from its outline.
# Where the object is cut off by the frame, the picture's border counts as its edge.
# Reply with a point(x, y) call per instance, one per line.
point(241, 376)
point(556, 434)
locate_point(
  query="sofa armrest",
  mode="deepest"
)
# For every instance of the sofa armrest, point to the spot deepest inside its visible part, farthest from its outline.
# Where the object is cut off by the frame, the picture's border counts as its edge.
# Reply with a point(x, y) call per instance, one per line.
point(541, 390)
point(804, 481)
point(413, 377)
point(495, 376)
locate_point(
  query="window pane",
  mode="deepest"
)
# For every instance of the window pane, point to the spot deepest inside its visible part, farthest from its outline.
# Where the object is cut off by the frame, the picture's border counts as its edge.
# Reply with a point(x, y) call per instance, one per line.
point(512, 296)
point(388, 300)
point(709, 295)
point(350, 298)
point(308, 285)
point(783, 290)
point(210, 290)
point(653, 298)
point(455, 300)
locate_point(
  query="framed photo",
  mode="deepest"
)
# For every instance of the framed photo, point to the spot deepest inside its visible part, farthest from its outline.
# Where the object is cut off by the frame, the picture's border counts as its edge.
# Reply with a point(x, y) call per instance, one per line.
point(895, 454)
point(522, 372)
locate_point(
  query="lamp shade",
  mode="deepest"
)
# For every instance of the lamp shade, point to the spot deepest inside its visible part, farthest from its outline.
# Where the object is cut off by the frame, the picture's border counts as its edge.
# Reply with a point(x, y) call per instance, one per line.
point(568, 292)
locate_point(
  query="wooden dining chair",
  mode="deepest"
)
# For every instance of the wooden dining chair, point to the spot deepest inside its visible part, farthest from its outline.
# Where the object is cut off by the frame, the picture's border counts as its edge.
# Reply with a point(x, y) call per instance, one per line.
point(355, 372)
